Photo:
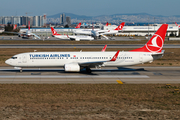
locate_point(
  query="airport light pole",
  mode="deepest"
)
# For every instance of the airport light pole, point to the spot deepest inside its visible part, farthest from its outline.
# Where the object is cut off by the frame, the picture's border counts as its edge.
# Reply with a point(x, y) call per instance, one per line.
point(26, 18)
point(154, 24)
point(148, 28)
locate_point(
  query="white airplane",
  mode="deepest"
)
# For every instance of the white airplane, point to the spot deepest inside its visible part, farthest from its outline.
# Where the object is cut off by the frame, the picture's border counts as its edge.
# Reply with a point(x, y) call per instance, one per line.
point(70, 37)
point(84, 31)
point(80, 37)
point(28, 33)
point(116, 30)
point(75, 61)
point(96, 32)
point(55, 34)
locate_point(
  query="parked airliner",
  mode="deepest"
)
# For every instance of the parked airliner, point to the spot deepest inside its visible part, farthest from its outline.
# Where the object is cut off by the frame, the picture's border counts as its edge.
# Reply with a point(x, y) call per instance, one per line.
point(70, 37)
point(27, 34)
point(97, 33)
point(75, 61)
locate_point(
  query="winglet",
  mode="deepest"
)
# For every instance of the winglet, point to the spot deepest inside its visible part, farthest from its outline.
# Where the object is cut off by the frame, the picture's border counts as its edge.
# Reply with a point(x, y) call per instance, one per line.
point(115, 56)
point(104, 49)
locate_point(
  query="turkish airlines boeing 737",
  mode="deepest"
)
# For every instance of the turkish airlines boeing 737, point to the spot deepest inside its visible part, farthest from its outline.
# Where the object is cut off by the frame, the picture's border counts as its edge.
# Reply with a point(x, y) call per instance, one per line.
point(97, 33)
point(75, 61)
point(70, 37)
point(28, 33)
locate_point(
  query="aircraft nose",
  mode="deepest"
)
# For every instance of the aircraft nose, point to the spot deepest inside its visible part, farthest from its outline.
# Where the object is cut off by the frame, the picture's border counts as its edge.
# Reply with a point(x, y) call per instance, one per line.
point(8, 61)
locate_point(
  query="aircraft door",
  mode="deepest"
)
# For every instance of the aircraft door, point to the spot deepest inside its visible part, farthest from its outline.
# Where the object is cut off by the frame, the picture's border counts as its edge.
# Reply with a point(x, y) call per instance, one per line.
point(140, 57)
point(24, 59)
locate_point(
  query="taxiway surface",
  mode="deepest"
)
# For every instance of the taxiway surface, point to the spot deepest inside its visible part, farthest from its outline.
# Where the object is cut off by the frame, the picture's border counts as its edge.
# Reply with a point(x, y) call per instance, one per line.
point(130, 75)
point(80, 46)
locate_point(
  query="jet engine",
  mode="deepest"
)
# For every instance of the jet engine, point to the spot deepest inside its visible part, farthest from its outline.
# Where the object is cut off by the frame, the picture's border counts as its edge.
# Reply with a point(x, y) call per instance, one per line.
point(77, 39)
point(72, 67)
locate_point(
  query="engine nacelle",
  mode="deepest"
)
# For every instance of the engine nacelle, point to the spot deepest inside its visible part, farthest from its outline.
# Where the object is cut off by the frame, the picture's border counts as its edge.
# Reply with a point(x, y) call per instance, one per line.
point(77, 39)
point(72, 67)
point(94, 33)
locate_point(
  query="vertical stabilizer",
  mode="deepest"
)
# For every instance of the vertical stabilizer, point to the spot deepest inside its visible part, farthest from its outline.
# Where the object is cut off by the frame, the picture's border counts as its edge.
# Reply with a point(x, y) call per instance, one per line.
point(120, 27)
point(79, 25)
point(155, 44)
point(53, 31)
point(28, 25)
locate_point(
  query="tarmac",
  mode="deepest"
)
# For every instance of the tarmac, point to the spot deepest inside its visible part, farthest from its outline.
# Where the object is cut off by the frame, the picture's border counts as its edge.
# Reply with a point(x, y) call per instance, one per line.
point(130, 75)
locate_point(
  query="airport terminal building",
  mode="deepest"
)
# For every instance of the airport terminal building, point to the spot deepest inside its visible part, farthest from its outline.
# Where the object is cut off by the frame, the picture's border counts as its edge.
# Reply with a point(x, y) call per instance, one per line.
point(172, 30)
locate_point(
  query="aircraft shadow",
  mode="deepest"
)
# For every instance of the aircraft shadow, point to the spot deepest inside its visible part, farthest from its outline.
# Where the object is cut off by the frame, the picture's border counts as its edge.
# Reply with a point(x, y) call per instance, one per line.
point(94, 71)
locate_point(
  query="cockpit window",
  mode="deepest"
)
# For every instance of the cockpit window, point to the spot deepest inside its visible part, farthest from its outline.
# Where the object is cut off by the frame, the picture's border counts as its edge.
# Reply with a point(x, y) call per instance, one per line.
point(14, 57)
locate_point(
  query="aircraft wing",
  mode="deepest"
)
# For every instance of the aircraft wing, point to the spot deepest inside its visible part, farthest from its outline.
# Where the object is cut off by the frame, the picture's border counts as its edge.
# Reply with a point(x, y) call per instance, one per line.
point(99, 63)
point(12, 32)
point(36, 35)
point(104, 36)
point(92, 64)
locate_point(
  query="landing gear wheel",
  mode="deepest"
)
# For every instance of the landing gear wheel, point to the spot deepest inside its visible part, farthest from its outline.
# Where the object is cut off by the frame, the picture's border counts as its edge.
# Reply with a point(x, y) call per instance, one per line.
point(88, 70)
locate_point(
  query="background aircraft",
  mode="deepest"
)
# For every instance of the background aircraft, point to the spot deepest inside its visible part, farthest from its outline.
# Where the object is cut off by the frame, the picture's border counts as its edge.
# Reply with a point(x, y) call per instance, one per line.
point(28, 33)
point(97, 33)
point(70, 37)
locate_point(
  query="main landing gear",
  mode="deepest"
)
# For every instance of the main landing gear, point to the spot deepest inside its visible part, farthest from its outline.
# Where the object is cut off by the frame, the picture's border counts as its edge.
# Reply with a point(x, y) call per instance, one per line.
point(88, 70)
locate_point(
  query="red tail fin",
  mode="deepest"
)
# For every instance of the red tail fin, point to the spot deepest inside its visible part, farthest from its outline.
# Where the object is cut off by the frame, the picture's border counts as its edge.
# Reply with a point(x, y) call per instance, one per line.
point(176, 23)
point(107, 24)
point(155, 44)
point(53, 31)
point(78, 26)
point(28, 25)
point(15, 26)
point(120, 27)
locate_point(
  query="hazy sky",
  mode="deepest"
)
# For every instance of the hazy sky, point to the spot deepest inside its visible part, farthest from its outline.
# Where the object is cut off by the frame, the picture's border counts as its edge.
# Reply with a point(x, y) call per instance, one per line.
point(89, 7)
